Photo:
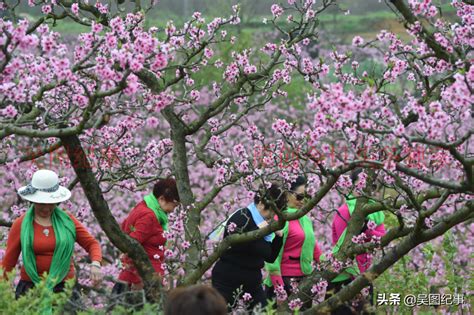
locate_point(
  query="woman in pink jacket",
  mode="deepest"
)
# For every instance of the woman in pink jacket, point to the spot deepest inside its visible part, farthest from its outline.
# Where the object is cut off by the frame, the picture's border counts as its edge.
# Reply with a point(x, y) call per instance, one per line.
point(373, 227)
point(299, 250)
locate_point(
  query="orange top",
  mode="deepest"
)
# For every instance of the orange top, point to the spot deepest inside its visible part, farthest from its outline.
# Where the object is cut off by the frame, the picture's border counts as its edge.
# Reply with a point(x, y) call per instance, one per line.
point(43, 246)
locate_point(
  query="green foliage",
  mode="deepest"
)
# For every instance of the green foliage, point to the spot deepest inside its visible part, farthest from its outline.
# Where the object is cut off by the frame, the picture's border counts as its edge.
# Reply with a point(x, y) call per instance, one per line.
point(32, 300)
point(69, 28)
point(122, 310)
point(448, 253)
point(403, 279)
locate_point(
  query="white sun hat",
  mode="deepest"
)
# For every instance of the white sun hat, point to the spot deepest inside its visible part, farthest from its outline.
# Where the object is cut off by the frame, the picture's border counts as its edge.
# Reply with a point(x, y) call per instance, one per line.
point(44, 188)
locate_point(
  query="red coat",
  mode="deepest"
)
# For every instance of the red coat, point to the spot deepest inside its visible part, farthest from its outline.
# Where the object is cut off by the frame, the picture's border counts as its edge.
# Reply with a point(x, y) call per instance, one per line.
point(143, 225)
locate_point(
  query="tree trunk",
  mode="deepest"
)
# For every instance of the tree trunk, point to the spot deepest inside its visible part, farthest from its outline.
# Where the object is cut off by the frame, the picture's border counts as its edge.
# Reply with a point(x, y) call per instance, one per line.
point(181, 171)
point(101, 210)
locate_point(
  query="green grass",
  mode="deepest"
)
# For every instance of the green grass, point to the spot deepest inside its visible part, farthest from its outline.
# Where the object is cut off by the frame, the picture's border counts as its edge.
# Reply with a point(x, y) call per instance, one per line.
point(345, 26)
point(69, 28)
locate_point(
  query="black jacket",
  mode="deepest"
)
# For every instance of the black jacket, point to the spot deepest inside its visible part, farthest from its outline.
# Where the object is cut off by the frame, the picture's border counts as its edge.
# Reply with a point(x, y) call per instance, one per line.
point(250, 255)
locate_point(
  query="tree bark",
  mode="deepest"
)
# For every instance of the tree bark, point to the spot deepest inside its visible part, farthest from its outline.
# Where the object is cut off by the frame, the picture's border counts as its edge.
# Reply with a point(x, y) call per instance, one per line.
point(392, 256)
point(101, 210)
point(181, 171)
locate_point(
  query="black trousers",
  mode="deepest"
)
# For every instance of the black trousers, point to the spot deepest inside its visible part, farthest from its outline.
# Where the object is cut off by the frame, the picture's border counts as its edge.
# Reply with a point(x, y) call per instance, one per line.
point(270, 291)
point(230, 293)
point(120, 288)
point(229, 279)
point(23, 287)
point(123, 294)
point(72, 306)
point(346, 309)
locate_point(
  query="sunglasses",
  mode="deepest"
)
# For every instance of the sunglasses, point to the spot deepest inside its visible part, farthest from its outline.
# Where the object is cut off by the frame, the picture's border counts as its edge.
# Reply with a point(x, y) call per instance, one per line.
point(299, 197)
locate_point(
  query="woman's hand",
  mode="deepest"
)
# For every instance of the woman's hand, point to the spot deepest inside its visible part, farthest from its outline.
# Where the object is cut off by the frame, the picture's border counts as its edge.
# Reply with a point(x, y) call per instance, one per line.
point(279, 233)
point(96, 273)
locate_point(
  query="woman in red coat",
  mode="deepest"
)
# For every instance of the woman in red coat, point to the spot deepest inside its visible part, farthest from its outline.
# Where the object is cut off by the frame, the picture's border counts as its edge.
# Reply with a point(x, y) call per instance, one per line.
point(146, 223)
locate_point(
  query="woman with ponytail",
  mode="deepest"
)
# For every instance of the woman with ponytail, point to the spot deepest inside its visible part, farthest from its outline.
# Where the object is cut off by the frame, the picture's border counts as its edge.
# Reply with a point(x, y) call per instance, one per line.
point(45, 237)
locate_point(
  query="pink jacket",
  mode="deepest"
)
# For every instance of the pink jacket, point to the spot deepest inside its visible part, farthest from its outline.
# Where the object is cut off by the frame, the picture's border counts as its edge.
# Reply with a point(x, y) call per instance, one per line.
point(339, 224)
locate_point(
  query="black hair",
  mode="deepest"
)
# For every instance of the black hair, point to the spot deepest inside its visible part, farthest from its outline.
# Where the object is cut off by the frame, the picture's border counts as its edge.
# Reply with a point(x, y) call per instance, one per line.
point(300, 181)
point(273, 195)
point(166, 188)
point(355, 174)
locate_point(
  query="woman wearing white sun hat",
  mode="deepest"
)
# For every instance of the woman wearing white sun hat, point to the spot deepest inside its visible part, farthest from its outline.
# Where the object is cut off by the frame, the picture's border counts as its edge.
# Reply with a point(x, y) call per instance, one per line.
point(45, 236)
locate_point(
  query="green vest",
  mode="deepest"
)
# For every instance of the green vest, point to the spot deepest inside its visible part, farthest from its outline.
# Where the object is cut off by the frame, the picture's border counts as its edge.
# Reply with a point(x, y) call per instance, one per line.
point(307, 251)
point(377, 218)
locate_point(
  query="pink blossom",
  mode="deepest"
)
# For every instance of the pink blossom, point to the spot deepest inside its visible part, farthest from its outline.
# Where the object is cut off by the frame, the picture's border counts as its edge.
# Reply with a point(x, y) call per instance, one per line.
point(185, 245)
point(277, 11)
point(9, 111)
point(189, 82)
point(280, 293)
point(208, 53)
point(375, 239)
point(195, 95)
point(239, 150)
point(101, 7)
point(46, 9)
point(169, 254)
point(152, 122)
point(96, 27)
point(159, 62)
point(250, 69)
point(359, 239)
point(231, 73)
point(371, 225)
point(357, 41)
point(75, 8)
point(283, 127)
point(246, 297)
point(320, 287)
point(295, 304)
point(231, 227)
